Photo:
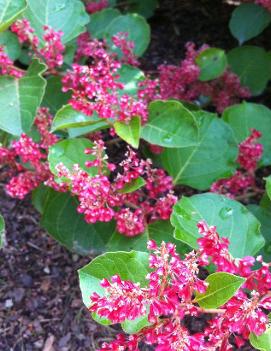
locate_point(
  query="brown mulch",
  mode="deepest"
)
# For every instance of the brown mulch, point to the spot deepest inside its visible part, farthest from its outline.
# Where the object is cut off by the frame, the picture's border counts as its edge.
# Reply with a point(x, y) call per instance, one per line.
point(40, 302)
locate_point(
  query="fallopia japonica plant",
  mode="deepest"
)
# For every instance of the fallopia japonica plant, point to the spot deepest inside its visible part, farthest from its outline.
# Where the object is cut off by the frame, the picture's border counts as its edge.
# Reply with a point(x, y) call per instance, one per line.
point(153, 296)
point(109, 153)
point(90, 95)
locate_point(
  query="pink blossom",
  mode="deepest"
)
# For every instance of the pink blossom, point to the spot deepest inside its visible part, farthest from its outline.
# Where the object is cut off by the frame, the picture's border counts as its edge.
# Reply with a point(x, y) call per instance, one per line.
point(169, 297)
point(250, 152)
point(126, 47)
point(7, 67)
point(95, 6)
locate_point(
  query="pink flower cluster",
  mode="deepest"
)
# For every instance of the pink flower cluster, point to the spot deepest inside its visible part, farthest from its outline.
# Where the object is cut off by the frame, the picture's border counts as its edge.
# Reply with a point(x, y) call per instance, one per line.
point(170, 296)
point(95, 6)
point(7, 67)
point(96, 88)
point(26, 160)
point(52, 50)
point(101, 197)
point(182, 83)
point(264, 3)
point(126, 47)
point(250, 152)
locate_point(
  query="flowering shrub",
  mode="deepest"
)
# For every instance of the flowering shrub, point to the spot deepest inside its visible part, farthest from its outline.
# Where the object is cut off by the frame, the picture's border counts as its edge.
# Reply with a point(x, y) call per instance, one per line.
point(236, 297)
point(109, 153)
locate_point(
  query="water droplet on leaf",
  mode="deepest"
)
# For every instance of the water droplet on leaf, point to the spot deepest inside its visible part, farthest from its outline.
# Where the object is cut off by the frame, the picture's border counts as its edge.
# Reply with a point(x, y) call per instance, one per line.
point(226, 212)
point(167, 138)
point(183, 214)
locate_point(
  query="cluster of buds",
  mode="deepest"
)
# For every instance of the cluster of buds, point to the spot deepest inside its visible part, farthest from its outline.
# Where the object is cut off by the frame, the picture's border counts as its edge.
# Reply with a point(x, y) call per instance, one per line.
point(102, 197)
point(182, 83)
point(126, 47)
point(264, 3)
point(52, 50)
point(26, 160)
point(96, 87)
point(170, 296)
point(95, 6)
point(250, 152)
point(7, 67)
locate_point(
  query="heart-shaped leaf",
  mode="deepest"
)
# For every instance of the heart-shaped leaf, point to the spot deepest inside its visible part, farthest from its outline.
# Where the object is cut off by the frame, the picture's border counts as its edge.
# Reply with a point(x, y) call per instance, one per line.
point(246, 116)
point(262, 342)
point(232, 219)
point(9, 11)
point(221, 287)
point(212, 63)
point(20, 99)
point(212, 158)
point(253, 66)
point(11, 45)
point(242, 18)
point(130, 76)
point(71, 152)
point(54, 98)
point(132, 266)
point(100, 20)
point(62, 221)
point(133, 185)
point(137, 28)
point(129, 132)
point(158, 231)
point(170, 125)
point(67, 117)
point(69, 16)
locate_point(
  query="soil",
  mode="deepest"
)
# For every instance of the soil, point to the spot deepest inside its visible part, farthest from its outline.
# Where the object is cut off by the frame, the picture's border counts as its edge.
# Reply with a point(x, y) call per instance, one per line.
point(40, 302)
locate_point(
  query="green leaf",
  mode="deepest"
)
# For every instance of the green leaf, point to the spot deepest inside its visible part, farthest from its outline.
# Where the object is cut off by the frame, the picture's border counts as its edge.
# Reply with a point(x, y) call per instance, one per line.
point(70, 50)
point(264, 217)
point(100, 20)
point(71, 152)
point(39, 197)
point(9, 11)
point(62, 221)
point(79, 131)
point(11, 45)
point(133, 185)
point(134, 326)
point(242, 18)
point(69, 16)
point(133, 266)
point(212, 158)
point(231, 218)
point(221, 287)
point(144, 8)
point(243, 117)
point(2, 231)
point(137, 28)
point(212, 63)
point(262, 342)
point(129, 132)
point(268, 186)
point(54, 98)
point(252, 64)
point(158, 231)
point(20, 99)
point(170, 124)
point(67, 117)
point(130, 77)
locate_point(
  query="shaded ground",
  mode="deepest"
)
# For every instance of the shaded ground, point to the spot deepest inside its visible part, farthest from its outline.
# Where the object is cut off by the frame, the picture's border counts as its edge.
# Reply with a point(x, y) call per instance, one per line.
point(40, 304)
point(39, 295)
